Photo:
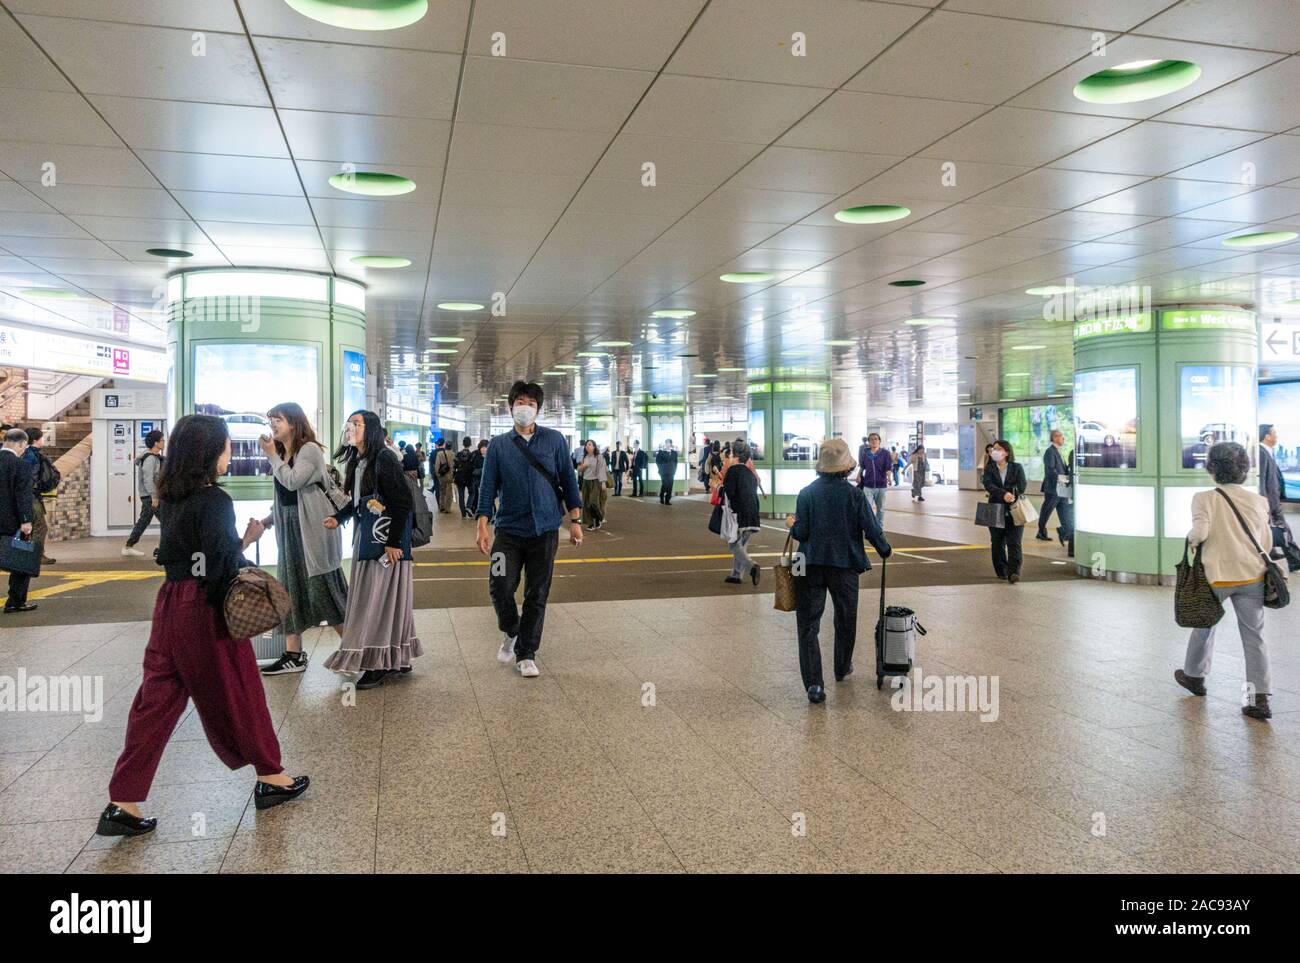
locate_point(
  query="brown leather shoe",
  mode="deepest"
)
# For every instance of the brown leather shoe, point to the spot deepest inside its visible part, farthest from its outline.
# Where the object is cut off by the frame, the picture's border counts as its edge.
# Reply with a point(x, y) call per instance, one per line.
point(1193, 684)
point(1259, 710)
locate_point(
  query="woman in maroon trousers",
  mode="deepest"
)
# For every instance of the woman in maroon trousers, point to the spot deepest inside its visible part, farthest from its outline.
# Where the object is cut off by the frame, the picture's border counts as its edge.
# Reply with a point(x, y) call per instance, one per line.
point(190, 654)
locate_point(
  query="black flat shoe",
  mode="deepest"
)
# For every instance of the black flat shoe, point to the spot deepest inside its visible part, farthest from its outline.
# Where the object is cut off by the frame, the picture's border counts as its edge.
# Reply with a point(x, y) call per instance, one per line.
point(20, 608)
point(732, 579)
point(265, 795)
point(816, 694)
point(116, 821)
point(371, 678)
point(1043, 538)
point(847, 672)
point(1190, 682)
point(405, 669)
point(1260, 710)
point(1013, 578)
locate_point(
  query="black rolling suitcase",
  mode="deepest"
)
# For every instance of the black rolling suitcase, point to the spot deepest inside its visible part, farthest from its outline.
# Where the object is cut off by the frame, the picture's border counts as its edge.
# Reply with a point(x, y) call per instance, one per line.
point(896, 633)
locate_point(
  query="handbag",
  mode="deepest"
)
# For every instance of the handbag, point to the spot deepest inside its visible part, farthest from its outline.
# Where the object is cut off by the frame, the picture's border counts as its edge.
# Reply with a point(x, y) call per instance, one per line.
point(1023, 512)
point(19, 555)
point(332, 485)
point(255, 603)
point(991, 515)
point(1283, 540)
point(729, 528)
point(1195, 604)
point(1276, 593)
point(715, 520)
point(787, 595)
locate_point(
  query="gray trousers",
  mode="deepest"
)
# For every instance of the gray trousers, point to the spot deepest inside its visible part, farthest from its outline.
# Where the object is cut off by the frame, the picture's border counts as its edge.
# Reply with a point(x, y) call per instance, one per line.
point(1248, 601)
point(741, 563)
point(877, 498)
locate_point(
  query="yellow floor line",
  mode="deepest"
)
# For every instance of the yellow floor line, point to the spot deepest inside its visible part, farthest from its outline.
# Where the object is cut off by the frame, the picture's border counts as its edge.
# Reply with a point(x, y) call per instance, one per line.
point(75, 580)
point(683, 558)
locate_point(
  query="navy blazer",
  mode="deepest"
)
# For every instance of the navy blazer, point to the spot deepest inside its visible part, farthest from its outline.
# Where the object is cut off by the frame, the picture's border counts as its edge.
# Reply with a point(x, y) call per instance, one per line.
point(1053, 465)
point(831, 519)
point(996, 487)
point(16, 483)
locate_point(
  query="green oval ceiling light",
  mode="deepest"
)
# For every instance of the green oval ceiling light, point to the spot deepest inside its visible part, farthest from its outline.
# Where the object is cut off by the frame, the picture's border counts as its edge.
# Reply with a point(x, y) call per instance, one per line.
point(1137, 80)
point(372, 183)
point(442, 351)
point(841, 344)
point(1028, 347)
point(446, 339)
point(678, 313)
point(872, 214)
point(556, 374)
point(731, 369)
point(1048, 291)
point(906, 283)
point(49, 294)
point(168, 252)
point(1260, 239)
point(363, 14)
point(381, 261)
point(922, 322)
point(613, 344)
point(745, 277)
point(460, 306)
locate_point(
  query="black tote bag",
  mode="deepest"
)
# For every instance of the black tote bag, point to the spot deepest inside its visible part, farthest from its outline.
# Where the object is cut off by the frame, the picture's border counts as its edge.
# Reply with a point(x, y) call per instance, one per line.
point(1195, 604)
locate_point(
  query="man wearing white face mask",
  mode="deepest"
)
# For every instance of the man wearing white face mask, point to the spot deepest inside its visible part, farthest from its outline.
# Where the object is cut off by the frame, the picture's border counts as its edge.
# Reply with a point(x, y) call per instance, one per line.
point(528, 487)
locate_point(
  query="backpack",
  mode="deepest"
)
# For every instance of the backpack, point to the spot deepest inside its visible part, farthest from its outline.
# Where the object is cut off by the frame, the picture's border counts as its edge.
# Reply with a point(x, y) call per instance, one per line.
point(443, 468)
point(464, 467)
point(47, 476)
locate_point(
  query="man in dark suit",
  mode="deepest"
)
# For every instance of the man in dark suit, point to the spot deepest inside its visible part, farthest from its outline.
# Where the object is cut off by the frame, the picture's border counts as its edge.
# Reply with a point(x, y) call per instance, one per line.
point(640, 462)
point(666, 461)
point(618, 466)
point(1272, 486)
point(1055, 472)
point(16, 517)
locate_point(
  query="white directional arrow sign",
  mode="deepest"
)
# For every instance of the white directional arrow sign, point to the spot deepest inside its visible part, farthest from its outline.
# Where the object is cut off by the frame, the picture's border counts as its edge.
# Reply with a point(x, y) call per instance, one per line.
point(1279, 342)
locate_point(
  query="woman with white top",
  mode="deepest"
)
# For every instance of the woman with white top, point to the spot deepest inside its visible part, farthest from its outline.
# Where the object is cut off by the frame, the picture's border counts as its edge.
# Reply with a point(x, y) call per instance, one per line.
point(1235, 570)
point(592, 474)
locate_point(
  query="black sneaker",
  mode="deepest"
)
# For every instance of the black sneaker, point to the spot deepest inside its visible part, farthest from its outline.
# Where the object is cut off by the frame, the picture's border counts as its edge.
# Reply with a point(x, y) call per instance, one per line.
point(288, 662)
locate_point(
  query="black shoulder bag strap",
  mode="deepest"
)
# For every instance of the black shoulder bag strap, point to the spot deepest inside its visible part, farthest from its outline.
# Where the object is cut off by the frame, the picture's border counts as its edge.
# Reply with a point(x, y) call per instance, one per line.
point(541, 469)
point(1244, 527)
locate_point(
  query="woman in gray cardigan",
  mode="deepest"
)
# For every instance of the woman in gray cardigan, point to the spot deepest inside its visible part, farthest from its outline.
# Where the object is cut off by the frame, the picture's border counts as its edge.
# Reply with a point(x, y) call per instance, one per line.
point(311, 556)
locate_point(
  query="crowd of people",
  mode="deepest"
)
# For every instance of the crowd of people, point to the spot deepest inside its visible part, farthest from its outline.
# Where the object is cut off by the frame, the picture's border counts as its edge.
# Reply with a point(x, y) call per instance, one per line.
point(523, 487)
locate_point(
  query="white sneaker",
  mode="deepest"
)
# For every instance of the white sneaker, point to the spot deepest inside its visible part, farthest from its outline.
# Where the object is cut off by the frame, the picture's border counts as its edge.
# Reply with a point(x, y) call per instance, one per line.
point(528, 669)
point(132, 553)
point(507, 651)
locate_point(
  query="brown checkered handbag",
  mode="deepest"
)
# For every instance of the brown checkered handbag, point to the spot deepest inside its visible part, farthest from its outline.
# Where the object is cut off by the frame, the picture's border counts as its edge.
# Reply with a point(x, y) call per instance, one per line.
point(255, 603)
point(787, 595)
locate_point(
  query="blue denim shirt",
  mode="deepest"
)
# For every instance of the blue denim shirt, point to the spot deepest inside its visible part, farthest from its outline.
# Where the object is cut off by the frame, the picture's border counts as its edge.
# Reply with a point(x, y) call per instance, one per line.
point(528, 506)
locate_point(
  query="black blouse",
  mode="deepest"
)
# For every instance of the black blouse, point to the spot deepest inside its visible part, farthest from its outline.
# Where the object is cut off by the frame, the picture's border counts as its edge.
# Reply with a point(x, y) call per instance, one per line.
point(389, 484)
point(200, 541)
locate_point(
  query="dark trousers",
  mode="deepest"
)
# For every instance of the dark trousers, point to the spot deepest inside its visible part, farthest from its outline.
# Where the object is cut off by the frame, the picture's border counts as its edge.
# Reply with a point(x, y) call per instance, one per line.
point(147, 512)
point(1050, 501)
point(534, 558)
point(462, 498)
point(472, 498)
point(18, 583)
point(666, 489)
point(638, 484)
point(190, 655)
point(1006, 549)
point(618, 483)
point(811, 603)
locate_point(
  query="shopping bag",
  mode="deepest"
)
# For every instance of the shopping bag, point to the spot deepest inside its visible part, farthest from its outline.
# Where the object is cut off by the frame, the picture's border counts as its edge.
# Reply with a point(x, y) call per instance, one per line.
point(990, 515)
point(1023, 512)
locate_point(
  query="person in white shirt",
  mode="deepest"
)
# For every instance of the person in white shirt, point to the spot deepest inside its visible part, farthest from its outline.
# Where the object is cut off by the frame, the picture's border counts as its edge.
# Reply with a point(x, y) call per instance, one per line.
point(1235, 569)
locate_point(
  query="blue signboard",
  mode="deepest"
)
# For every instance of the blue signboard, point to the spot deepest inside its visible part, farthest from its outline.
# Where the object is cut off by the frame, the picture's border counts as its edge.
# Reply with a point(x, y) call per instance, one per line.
point(354, 383)
point(435, 432)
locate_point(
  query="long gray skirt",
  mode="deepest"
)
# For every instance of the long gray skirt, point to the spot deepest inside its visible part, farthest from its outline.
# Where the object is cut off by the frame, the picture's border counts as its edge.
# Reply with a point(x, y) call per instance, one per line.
point(315, 598)
point(379, 632)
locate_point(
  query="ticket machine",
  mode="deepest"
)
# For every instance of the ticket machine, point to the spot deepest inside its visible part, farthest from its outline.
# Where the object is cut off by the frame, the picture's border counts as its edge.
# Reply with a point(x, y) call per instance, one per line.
point(121, 418)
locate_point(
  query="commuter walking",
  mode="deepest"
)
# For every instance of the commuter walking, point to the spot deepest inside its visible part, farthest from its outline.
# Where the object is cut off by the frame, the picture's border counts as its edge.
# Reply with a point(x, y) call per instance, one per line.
point(740, 490)
point(529, 471)
point(310, 555)
point(620, 465)
point(920, 467)
point(666, 462)
point(147, 468)
point(896, 463)
point(379, 629)
point(421, 460)
point(1056, 477)
point(1271, 487)
point(191, 655)
point(462, 473)
point(875, 472)
point(476, 474)
point(640, 465)
point(592, 475)
point(1004, 480)
point(1235, 569)
point(409, 460)
point(831, 520)
point(16, 510)
point(45, 479)
point(443, 469)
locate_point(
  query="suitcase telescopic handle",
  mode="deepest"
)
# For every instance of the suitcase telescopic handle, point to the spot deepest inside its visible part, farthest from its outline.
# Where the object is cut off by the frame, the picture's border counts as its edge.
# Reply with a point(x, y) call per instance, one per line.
point(883, 562)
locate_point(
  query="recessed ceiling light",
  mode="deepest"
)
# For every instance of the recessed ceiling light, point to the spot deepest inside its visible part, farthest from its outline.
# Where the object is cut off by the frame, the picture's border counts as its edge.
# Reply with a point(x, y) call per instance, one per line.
point(1028, 347)
point(1016, 374)
point(613, 344)
point(442, 350)
point(169, 252)
point(673, 313)
point(446, 339)
point(1137, 80)
point(592, 354)
point(372, 183)
point(745, 277)
point(556, 374)
point(921, 322)
point(872, 214)
point(363, 14)
point(906, 283)
point(381, 261)
point(881, 371)
point(460, 306)
point(731, 369)
point(1047, 291)
point(575, 366)
point(1260, 238)
point(706, 376)
point(49, 294)
point(841, 344)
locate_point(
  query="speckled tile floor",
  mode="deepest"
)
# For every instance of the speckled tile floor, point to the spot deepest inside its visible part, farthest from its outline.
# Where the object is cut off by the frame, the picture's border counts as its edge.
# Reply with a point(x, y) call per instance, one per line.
point(1097, 761)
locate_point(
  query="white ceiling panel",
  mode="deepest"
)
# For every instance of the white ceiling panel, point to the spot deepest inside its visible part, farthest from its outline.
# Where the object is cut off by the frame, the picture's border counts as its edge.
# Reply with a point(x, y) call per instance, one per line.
point(981, 219)
point(709, 109)
point(1153, 148)
point(1265, 204)
point(23, 65)
point(1060, 188)
point(934, 180)
point(558, 96)
point(50, 117)
point(500, 190)
point(1081, 225)
point(1104, 14)
point(106, 166)
point(879, 124)
point(1261, 24)
point(1009, 135)
point(53, 247)
point(193, 14)
point(261, 235)
point(1269, 161)
point(253, 208)
point(374, 212)
point(24, 198)
point(403, 83)
point(1264, 101)
point(203, 128)
point(110, 201)
point(225, 173)
point(676, 160)
point(743, 40)
point(152, 61)
point(1165, 197)
point(152, 232)
point(493, 147)
point(364, 140)
point(610, 196)
point(18, 224)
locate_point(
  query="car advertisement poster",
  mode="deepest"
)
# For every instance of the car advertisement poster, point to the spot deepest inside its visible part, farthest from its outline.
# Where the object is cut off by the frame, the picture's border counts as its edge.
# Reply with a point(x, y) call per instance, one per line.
point(240, 383)
point(1105, 418)
point(1216, 403)
point(802, 431)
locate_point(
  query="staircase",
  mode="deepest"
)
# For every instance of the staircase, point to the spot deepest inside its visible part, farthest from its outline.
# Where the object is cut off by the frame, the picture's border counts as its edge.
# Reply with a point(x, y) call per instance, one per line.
point(72, 425)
